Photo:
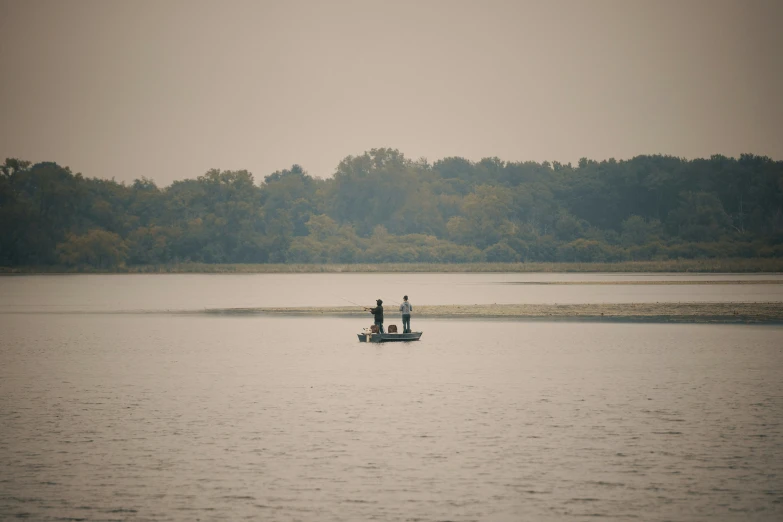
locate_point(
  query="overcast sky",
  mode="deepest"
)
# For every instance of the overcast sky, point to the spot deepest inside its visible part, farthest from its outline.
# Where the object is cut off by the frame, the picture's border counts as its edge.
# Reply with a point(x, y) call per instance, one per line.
point(170, 89)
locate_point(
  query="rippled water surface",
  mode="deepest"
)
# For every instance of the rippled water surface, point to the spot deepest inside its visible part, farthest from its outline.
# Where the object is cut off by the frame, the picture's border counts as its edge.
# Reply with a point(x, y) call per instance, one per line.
point(186, 417)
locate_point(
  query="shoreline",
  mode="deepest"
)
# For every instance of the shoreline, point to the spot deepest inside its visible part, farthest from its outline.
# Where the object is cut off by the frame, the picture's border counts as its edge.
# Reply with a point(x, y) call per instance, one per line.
point(693, 266)
point(747, 313)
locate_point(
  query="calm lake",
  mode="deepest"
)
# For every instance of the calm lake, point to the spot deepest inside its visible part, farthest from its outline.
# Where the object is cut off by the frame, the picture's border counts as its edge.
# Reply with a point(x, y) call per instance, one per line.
point(107, 293)
point(157, 416)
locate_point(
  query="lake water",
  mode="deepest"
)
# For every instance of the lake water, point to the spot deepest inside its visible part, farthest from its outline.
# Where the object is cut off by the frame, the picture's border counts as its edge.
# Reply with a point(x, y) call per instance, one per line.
point(107, 293)
point(153, 416)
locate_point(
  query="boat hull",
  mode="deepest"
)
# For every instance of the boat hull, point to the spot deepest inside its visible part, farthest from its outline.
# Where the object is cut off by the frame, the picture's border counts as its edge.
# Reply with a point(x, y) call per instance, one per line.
point(389, 337)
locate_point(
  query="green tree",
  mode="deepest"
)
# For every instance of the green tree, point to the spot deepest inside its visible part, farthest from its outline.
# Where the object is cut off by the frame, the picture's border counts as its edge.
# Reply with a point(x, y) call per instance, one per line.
point(700, 217)
point(500, 253)
point(637, 231)
point(98, 248)
point(485, 218)
point(381, 206)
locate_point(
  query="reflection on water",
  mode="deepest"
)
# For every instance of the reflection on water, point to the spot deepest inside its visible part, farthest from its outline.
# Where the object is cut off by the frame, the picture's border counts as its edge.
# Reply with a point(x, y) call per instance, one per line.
point(156, 417)
point(196, 292)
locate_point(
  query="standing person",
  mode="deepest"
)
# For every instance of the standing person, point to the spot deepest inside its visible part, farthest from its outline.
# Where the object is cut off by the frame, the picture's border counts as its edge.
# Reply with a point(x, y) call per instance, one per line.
point(406, 308)
point(378, 313)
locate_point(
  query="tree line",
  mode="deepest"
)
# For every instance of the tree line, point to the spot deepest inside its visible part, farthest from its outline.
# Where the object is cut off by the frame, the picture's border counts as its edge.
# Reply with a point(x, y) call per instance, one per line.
point(383, 207)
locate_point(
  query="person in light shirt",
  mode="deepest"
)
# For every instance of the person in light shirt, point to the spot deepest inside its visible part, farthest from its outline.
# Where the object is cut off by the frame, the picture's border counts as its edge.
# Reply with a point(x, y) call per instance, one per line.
point(406, 308)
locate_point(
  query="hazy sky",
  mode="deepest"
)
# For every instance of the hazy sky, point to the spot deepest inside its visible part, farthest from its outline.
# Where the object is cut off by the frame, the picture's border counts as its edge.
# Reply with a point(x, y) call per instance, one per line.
point(170, 89)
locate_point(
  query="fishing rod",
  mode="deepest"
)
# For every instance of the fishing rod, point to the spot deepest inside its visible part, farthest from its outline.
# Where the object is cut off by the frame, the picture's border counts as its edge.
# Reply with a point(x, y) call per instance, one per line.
point(357, 304)
point(349, 301)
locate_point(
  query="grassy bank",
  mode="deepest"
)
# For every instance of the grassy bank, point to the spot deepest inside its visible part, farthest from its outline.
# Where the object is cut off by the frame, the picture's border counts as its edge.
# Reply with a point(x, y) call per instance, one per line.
point(641, 312)
point(766, 265)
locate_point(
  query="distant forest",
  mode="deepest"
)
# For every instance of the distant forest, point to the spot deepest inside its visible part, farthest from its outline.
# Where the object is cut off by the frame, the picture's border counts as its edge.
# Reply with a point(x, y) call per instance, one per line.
point(381, 207)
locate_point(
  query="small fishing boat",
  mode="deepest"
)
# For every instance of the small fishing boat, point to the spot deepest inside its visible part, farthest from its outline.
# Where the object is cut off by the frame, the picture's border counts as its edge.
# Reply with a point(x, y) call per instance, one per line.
point(367, 336)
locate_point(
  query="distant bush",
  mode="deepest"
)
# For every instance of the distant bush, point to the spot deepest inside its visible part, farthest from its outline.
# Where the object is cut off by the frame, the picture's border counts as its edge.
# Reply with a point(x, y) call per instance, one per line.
point(589, 251)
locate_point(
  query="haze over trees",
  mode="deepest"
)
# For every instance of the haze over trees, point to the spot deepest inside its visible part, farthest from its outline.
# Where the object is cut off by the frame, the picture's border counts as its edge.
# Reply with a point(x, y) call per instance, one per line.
point(383, 207)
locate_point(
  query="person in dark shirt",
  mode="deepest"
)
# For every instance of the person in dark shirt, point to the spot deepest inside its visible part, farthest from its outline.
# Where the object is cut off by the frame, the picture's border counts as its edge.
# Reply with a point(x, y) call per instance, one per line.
point(378, 313)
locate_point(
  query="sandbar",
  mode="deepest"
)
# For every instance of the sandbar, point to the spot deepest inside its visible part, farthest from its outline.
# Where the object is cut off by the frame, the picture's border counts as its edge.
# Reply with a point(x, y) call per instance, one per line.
point(742, 312)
